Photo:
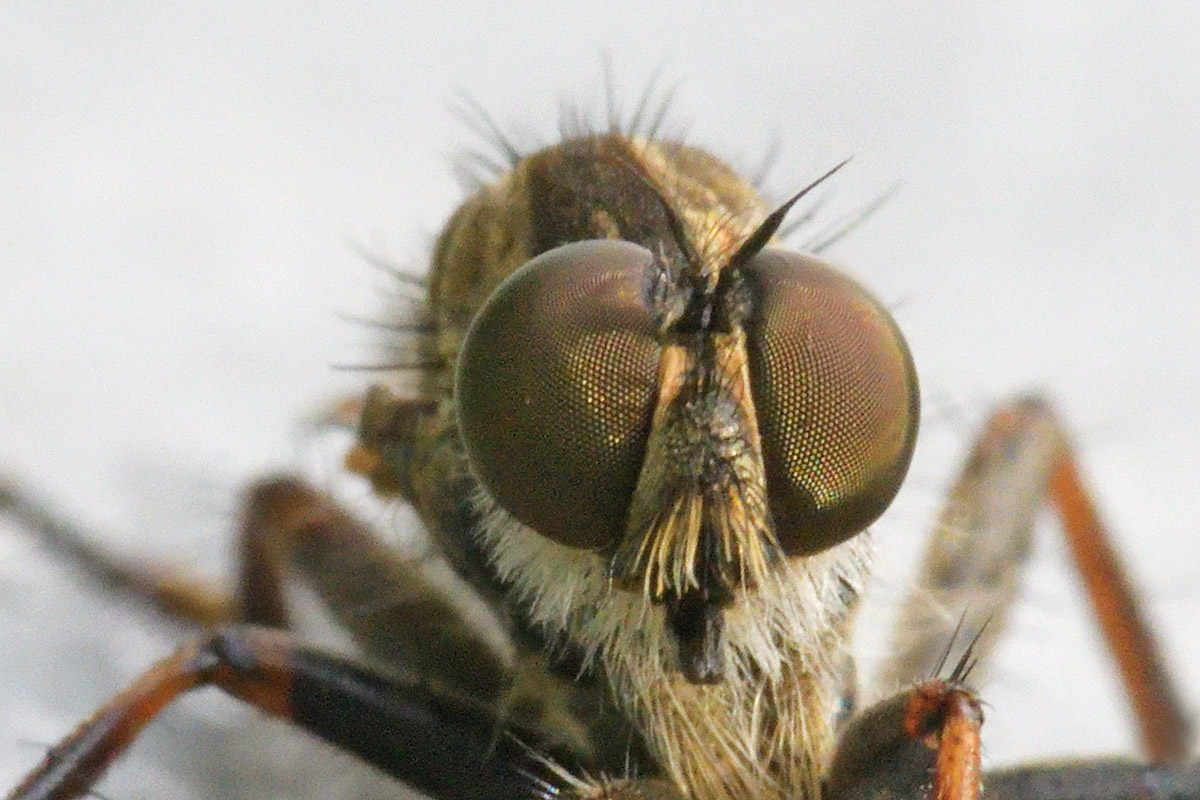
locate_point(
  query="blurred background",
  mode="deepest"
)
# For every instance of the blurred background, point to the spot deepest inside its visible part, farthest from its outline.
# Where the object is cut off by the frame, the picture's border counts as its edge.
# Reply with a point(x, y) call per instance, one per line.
point(186, 191)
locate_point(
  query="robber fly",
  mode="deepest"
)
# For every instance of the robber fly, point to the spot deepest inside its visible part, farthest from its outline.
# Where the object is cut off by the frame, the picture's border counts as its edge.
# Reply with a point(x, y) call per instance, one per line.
point(651, 439)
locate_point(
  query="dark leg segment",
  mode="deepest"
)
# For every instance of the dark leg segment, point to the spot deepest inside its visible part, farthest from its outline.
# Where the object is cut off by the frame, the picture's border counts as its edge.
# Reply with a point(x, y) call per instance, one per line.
point(443, 745)
point(390, 604)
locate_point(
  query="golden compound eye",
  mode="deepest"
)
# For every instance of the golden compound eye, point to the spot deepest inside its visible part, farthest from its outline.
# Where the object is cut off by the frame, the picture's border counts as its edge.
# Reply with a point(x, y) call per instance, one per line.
point(555, 386)
point(835, 393)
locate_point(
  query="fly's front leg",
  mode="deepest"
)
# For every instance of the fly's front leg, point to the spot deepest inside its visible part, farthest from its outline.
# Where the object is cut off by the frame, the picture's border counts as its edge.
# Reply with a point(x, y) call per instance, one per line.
point(970, 575)
point(921, 744)
point(446, 746)
point(177, 593)
point(392, 607)
point(925, 742)
point(409, 613)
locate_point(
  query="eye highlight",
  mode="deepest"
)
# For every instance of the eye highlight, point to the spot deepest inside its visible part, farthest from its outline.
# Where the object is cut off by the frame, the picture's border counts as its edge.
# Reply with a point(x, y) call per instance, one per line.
point(835, 391)
point(555, 387)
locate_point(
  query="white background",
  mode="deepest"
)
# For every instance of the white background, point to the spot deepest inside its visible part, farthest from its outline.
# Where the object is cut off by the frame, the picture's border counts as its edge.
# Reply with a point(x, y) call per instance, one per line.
point(181, 190)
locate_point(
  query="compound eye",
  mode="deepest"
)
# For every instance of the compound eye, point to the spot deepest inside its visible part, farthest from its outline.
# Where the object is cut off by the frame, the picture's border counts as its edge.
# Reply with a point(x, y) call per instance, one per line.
point(835, 392)
point(555, 386)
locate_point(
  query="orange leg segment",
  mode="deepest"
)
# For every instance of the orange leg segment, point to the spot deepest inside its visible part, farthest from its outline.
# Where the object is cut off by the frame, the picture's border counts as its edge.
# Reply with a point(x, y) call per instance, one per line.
point(920, 743)
point(947, 718)
point(1165, 730)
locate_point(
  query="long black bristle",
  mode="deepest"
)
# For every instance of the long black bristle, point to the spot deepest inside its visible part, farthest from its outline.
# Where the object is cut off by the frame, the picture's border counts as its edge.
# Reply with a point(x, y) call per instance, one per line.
point(764, 232)
point(398, 366)
point(848, 224)
point(419, 327)
point(469, 112)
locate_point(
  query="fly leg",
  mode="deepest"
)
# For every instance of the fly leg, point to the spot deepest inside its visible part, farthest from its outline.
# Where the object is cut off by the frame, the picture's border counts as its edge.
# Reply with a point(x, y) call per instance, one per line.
point(924, 741)
point(970, 576)
point(394, 607)
point(391, 606)
point(446, 746)
point(924, 744)
point(410, 613)
point(920, 744)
